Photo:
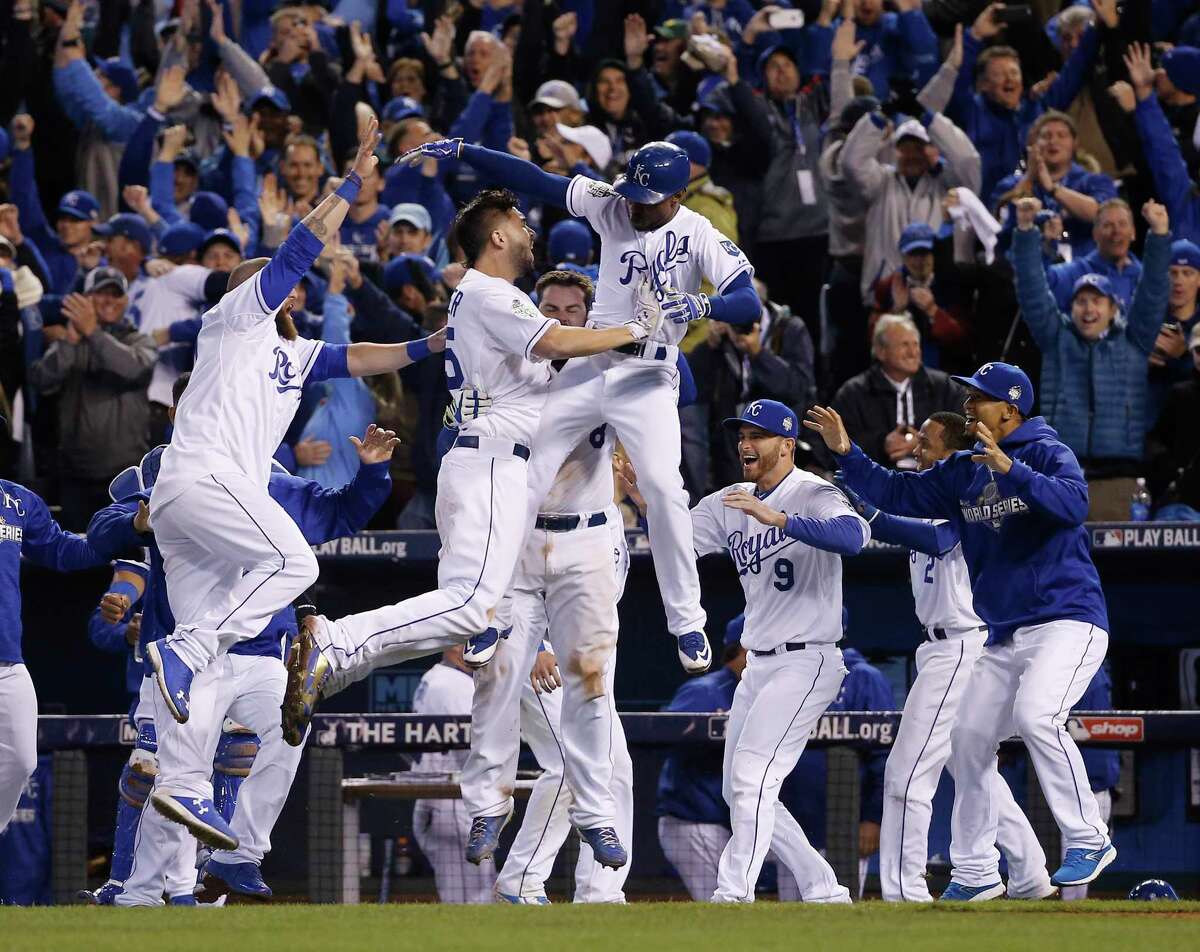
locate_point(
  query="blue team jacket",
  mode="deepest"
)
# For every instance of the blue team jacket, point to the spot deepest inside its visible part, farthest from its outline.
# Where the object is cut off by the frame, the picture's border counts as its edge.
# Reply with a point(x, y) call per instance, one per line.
point(1022, 532)
point(27, 529)
point(322, 514)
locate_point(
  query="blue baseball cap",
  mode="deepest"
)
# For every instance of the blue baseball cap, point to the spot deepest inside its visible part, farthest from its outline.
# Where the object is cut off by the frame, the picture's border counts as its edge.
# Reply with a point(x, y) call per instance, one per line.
point(219, 235)
point(1182, 65)
point(271, 95)
point(80, 204)
point(1096, 282)
point(121, 75)
point(105, 277)
point(916, 237)
point(569, 241)
point(766, 55)
point(769, 415)
point(128, 225)
point(402, 107)
point(699, 152)
point(733, 631)
point(209, 210)
point(1186, 253)
point(1001, 381)
point(399, 271)
point(181, 238)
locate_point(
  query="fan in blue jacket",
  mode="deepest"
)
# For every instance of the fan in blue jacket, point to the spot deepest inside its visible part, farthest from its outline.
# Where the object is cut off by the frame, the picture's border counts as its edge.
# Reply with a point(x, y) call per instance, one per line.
point(1094, 360)
point(1018, 501)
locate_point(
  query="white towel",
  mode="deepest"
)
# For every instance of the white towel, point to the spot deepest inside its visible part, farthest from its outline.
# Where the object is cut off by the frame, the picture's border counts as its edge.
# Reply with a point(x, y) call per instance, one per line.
point(986, 227)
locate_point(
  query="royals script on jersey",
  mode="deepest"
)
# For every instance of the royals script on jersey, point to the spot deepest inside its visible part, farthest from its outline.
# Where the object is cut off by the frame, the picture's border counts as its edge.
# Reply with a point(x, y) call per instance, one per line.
point(244, 392)
point(942, 589)
point(678, 256)
point(793, 591)
point(492, 330)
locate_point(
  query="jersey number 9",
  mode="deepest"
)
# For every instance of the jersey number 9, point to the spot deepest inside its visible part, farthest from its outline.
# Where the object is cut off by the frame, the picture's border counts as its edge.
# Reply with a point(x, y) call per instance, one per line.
point(785, 575)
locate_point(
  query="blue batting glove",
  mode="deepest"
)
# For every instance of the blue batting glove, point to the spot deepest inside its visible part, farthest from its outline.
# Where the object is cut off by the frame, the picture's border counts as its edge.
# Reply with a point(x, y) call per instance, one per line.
point(441, 149)
point(680, 308)
point(860, 505)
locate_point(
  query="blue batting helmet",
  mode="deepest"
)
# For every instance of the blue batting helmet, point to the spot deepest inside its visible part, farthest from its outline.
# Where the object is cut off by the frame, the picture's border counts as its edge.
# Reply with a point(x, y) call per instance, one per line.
point(1152, 890)
point(653, 173)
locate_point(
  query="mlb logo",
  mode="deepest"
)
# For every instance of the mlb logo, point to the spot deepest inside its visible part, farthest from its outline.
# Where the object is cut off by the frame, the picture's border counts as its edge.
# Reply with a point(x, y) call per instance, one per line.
point(128, 734)
point(1108, 538)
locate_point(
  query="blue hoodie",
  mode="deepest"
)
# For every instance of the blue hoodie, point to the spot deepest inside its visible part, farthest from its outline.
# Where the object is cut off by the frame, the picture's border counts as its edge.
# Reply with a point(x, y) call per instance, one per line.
point(1022, 532)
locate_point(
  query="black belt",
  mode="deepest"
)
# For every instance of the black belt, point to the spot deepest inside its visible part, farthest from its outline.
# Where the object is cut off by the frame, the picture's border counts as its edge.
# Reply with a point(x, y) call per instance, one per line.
point(567, 523)
point(790, 646)
point(472, 443)
point(647, 349)
point(939, 634)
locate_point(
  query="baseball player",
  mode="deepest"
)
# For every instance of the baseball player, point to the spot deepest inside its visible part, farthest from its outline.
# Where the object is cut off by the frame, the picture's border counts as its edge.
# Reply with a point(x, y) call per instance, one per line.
point(565, 581)
point(27, 530)
point(942, 593)
point(498, 344)
point(1018, 501)
point(654, 255)
point(440, 825)
point(788, 560)
point(233, 557)
point(246, 684)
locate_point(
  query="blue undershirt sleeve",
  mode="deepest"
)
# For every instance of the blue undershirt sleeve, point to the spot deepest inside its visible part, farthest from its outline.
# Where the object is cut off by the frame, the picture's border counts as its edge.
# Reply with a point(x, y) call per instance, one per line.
point(841, 534)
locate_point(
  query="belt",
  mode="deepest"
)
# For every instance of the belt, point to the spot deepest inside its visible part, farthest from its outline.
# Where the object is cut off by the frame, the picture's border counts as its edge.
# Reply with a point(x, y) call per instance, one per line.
point(941, 634)
point(648, 349)
point(473, 443)
point(568, 523)
point(782, 649)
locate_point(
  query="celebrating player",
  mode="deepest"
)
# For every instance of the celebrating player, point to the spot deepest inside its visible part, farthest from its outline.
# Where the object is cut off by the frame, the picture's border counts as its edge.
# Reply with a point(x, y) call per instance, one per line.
point(791, 571)
point(1018, 502)
point(498, 344)
point(942, 593)
point(565, 582)
point(654, 255)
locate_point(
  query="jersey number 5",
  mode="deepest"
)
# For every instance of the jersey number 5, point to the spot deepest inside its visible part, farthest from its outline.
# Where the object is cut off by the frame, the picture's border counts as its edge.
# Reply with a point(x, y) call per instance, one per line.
point(454, 374)
point(785, 575)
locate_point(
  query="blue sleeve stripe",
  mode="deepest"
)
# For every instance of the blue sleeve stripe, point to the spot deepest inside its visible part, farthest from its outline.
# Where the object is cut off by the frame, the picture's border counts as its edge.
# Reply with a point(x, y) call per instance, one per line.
point(311, 357)
point(746, 270)
point(258, 294)
point(537, 337)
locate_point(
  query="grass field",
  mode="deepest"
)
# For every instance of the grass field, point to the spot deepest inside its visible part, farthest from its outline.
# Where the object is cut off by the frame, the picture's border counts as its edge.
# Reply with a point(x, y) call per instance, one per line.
point(1094, 926)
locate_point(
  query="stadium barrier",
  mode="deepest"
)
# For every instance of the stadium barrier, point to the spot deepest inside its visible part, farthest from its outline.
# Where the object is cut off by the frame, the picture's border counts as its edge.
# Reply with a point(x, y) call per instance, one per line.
point(347, 833)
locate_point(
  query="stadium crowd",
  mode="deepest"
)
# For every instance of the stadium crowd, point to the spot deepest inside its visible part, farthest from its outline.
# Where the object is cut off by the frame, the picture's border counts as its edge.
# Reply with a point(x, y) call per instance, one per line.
point(921, 187)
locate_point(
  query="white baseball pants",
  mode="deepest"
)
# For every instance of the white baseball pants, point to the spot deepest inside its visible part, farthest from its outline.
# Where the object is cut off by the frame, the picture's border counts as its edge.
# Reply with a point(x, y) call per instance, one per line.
point(441, 828)
point(233, 558)
point(480, 516)
point(18, 736)
point(914, 766)
point(694, 849)
point(1104, 802)
point(1026, 686)
point(640, 399)
point(777, 704)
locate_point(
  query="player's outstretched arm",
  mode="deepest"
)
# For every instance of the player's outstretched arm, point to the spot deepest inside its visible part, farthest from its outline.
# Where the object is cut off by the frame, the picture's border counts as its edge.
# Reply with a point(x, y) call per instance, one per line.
point(45, 543)
point(517, 174)
point(844, 534)
point(559, 342)
point(366, 360)
point(308, 239)
point(916, 534)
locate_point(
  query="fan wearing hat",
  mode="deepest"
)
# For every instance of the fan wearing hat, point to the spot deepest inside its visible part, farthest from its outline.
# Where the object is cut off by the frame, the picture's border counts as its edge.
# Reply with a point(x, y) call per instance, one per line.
point(576, 150)
point(99, 365)
point(1170, 361)
point(78, 211)
point(702, 195)
point(1094, 379)
point(555, 102)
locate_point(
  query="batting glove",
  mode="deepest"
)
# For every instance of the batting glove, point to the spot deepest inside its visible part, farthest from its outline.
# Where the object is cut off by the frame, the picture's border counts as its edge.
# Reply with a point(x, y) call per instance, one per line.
point(681, 308)
point(466, 404)
point(441, 149)
point(860, 505)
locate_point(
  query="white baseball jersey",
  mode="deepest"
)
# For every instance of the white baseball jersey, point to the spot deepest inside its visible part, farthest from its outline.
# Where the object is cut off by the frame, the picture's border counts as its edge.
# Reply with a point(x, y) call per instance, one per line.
point(243, 394)
point(443, 690)
point(584, 482)
point(942, 589)
point(175, 296)
point(492, 330)
point(678, 256)
point(793, 591)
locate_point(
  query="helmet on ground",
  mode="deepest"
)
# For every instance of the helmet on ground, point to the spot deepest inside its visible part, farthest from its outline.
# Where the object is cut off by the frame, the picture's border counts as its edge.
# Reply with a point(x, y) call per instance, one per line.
point(654, 173)
point(1152, 890)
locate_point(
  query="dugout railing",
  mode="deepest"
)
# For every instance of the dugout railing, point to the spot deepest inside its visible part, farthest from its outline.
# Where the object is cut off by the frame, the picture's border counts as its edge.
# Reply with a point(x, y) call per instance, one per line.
point(346, 834)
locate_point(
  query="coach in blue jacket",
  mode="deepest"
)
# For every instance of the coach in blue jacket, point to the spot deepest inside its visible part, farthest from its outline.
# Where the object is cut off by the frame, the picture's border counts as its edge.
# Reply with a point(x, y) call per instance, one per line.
point(1018, 500)
point(1094, 360)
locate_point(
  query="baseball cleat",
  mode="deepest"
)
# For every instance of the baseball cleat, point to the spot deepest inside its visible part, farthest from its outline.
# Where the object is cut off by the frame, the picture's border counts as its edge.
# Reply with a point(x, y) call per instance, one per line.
point(182, 901)
point(694, 652)
point(957, 892)
point(1081, 866)
point(520, 900)
point(200, 816)
point(606, 848)
point(104, 896)
point(485, 836)
point(245, 879)
point(173, 677)
point(307, 672)
point(481, 648)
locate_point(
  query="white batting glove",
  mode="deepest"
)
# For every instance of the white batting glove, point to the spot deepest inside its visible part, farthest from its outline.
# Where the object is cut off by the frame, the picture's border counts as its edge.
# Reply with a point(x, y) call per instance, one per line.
point(466, 403)
point(680, 308)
